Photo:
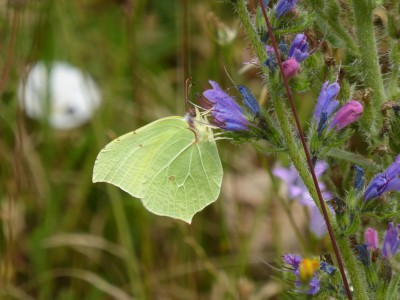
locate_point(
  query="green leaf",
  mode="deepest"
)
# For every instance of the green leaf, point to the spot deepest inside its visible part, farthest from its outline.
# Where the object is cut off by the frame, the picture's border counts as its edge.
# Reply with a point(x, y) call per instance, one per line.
point(171, 165)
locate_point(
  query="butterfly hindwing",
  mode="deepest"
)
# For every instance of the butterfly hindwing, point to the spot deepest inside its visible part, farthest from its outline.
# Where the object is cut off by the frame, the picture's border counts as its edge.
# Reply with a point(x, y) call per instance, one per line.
point(188, 181)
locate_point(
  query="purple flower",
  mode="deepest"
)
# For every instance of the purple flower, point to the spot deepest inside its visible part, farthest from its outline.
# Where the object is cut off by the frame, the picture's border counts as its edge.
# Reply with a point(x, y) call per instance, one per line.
point(298, 191)
point(371, 239)
point(347, 114)
point(314, 286)
point(284, 6)
point(391, 242)
point(293, 260)
point(384, 182)
point(299, 47)
point(227, 113)
point(326, 100)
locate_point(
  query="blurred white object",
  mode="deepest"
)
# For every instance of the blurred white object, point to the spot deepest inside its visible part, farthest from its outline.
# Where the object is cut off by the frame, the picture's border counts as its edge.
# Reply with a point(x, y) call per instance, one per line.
point(61, 93)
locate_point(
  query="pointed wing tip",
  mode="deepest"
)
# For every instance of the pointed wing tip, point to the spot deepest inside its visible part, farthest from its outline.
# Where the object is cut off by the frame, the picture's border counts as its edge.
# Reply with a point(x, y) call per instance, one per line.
point(95, 178)
point(187, 221)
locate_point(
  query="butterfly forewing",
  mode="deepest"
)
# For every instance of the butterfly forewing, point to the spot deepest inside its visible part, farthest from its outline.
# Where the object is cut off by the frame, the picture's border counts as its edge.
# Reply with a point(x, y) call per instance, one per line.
point(124, 162)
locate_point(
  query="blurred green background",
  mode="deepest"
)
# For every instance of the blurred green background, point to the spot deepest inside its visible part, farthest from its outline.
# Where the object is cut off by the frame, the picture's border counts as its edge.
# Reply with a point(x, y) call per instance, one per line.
point(64, 237)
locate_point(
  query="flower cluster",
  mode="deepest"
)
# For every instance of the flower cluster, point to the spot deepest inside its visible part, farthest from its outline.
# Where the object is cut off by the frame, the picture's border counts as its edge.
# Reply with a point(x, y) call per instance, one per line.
point(327, 105)
point(391, 241)
point(298, 52)
point(305, 270)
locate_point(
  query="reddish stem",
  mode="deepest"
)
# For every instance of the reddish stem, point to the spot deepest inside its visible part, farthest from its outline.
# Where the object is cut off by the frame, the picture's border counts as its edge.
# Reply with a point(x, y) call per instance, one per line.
point(309, 161)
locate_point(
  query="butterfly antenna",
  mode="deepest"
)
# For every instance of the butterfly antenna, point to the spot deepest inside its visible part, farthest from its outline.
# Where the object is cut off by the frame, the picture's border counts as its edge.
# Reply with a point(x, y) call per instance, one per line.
point(230, 78)
point(190, 110)
point(198, 106)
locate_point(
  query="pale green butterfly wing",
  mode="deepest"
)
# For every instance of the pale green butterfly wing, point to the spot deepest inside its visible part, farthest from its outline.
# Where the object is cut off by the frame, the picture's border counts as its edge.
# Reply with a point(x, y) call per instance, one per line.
point(124, 162)
point(188, 180)
point(173, 167)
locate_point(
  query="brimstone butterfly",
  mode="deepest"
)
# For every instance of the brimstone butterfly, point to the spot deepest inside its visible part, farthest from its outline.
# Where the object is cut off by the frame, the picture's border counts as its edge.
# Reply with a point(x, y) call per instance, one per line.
point(171, 164)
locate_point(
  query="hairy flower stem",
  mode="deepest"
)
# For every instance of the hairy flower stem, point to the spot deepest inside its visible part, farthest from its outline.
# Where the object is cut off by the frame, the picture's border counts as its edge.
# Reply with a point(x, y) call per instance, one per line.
point(370, 64)
point(395, 62)
point(307, 153)
point(296, 156)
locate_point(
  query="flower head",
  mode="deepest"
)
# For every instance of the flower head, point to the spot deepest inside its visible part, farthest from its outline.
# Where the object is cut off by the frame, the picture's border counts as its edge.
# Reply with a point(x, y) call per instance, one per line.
point(298, 191)
point(326, 104)
point(299, 47)
point(227, 113)
point(371, 239)
point(305, 270)
point(347, 114)
point(290, 67)
point(297, 53)
point(391, 242)
point(314, 286)
point(292, 260)
point(284, 6)
point(384, 182)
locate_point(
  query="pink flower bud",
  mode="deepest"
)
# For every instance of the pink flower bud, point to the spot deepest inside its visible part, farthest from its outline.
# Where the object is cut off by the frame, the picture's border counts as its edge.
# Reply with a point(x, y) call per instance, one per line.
point(371, 239)
point(347, 114)
point(290, 67)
